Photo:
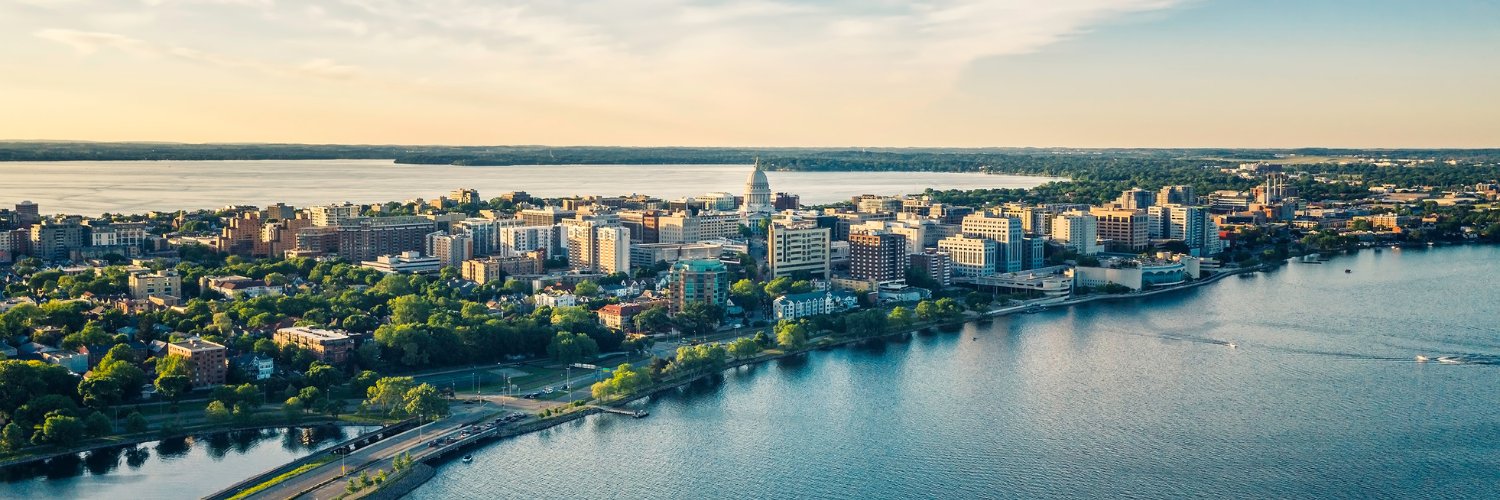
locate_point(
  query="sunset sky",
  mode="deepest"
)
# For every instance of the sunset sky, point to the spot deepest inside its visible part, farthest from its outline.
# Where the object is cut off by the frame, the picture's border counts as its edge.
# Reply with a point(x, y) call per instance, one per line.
point(1086, 73)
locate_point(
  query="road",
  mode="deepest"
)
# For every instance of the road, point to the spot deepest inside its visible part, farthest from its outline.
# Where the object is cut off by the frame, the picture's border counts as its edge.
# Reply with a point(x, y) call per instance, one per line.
point(375, 456)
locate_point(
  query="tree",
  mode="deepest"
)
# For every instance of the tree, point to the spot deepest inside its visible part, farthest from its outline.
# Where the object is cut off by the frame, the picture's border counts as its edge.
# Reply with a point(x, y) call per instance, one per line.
point(267, 348)
point(59, 429)
point(389, 394)
point(409, 309)
point(625, 381)
point(292, 408)
point(778, 286)
point(926, 310)
point(424, 400)
point(99, 392)
point(12, 438)
point(571, 347)
point(653, 320)
point(586, 288)
point(790, 335)
point(323, 375)
point(743, 347)
point(748, 294)
point(698, 318)
point(900, 317)
point(363, 381)
point(96, 425)
point(216, 412)
point(135, 422)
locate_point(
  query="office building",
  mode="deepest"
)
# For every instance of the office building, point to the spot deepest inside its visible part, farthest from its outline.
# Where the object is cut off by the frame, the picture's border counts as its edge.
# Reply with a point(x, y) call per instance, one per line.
point(56, 239)
point(799, 249)
point(1076, 231)
point(1123, 229)
point(512, 241)
point(1176, 195)
point(1135, 199)
point(410, 262)
point(27, 213)
point(972, 257)
point(1007, 231)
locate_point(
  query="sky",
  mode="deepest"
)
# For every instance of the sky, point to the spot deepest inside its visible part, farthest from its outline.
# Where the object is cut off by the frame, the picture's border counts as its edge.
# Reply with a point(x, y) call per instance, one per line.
point(1042, 73)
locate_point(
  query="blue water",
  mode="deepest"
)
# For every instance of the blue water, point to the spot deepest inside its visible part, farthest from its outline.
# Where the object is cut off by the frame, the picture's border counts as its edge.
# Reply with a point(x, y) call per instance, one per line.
point(1322, 398)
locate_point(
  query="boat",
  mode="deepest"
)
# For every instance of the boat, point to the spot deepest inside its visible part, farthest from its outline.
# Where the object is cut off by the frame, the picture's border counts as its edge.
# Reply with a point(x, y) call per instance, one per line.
point(1233, 345)
point(468, 458)
point(1449, 360)
point(1347, 271)
point(1421, 358)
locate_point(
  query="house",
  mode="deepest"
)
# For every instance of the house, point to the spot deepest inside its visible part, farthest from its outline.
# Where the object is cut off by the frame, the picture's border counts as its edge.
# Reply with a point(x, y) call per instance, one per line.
point(255, 366)
point(801, 305)
point(555, 298)
point(235, 287)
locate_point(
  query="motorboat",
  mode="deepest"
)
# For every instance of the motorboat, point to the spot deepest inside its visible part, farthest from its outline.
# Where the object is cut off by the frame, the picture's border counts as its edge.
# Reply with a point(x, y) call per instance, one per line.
point(468, 458)
point(1233, 345)
point(1347, 271)
point(1449, 360)
point(1421, 358)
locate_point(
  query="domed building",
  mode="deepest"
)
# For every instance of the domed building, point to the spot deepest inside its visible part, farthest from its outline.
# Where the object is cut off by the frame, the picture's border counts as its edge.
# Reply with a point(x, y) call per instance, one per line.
point(757, 196)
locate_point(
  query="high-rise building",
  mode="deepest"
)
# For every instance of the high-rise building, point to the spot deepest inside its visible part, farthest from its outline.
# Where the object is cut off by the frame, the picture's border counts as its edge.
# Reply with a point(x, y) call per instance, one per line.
point(1176, 195)
point(757, 203)
point(972, 257)
point(799, 248)
point(332, 215)
point(1035, 254)
point(449, 249)
point(545, 216)
point(1124, 230)
point(643, 225)
point(784, 201)
point(56, 239)
point(681, 227)
point(693, 281)
point(1135, 198)
point(1193, 225)
point(1275, 189)
point(1077, 231)
point(27, 213)
point(484, 233)
point(512, 241)
point(365, 238)
point(875, 204)
point(1007, 231)
point(879, 256)
point(613, 250)
point(596, 247)
point(279, 211)
point(937, 265)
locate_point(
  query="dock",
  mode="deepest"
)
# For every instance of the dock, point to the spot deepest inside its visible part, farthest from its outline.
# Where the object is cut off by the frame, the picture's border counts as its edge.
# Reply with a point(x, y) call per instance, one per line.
point(622, 411)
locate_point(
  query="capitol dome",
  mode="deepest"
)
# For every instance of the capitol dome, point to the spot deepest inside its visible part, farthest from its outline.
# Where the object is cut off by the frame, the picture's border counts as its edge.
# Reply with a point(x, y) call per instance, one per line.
point(757, 193)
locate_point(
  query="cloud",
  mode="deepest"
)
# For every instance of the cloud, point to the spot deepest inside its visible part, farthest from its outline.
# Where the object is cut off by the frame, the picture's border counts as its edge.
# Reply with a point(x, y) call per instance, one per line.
point(88, 42)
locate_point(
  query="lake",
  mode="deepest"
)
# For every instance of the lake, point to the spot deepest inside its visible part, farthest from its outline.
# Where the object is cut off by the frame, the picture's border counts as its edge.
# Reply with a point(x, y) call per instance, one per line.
point(188, 467)
point(94, 187)
point(1323, 398)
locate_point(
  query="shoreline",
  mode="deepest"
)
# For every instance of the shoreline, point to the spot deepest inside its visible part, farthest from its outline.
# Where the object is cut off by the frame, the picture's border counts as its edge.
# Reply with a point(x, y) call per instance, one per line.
point(149, 436)
point(408, 486)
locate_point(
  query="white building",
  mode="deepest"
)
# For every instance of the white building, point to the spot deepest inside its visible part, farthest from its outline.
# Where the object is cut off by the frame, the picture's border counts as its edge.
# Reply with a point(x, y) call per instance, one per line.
point(801, 305)
point(972, 257)
point(1077, 231)
point(513, 241)
point(405, 263)
point(332, 215)
point(450, 249)
point(1007, 231)
point(555, 299)
point(799, 248)
point(758, 203)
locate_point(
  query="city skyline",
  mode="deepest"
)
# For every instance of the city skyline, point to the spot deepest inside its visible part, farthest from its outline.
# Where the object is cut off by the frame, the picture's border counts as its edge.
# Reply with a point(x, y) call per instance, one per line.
point(1077, 73)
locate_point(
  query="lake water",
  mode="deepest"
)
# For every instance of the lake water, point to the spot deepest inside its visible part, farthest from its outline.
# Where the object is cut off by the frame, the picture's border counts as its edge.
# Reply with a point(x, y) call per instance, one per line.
point(94, 187)
point(188, 467)
point(1323, 398)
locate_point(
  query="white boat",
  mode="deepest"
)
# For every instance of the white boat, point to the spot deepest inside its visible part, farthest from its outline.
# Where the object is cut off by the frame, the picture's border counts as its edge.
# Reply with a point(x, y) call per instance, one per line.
point(468, 458)
point(1421, 358)
point(1449, 360)
point(1233, 345)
